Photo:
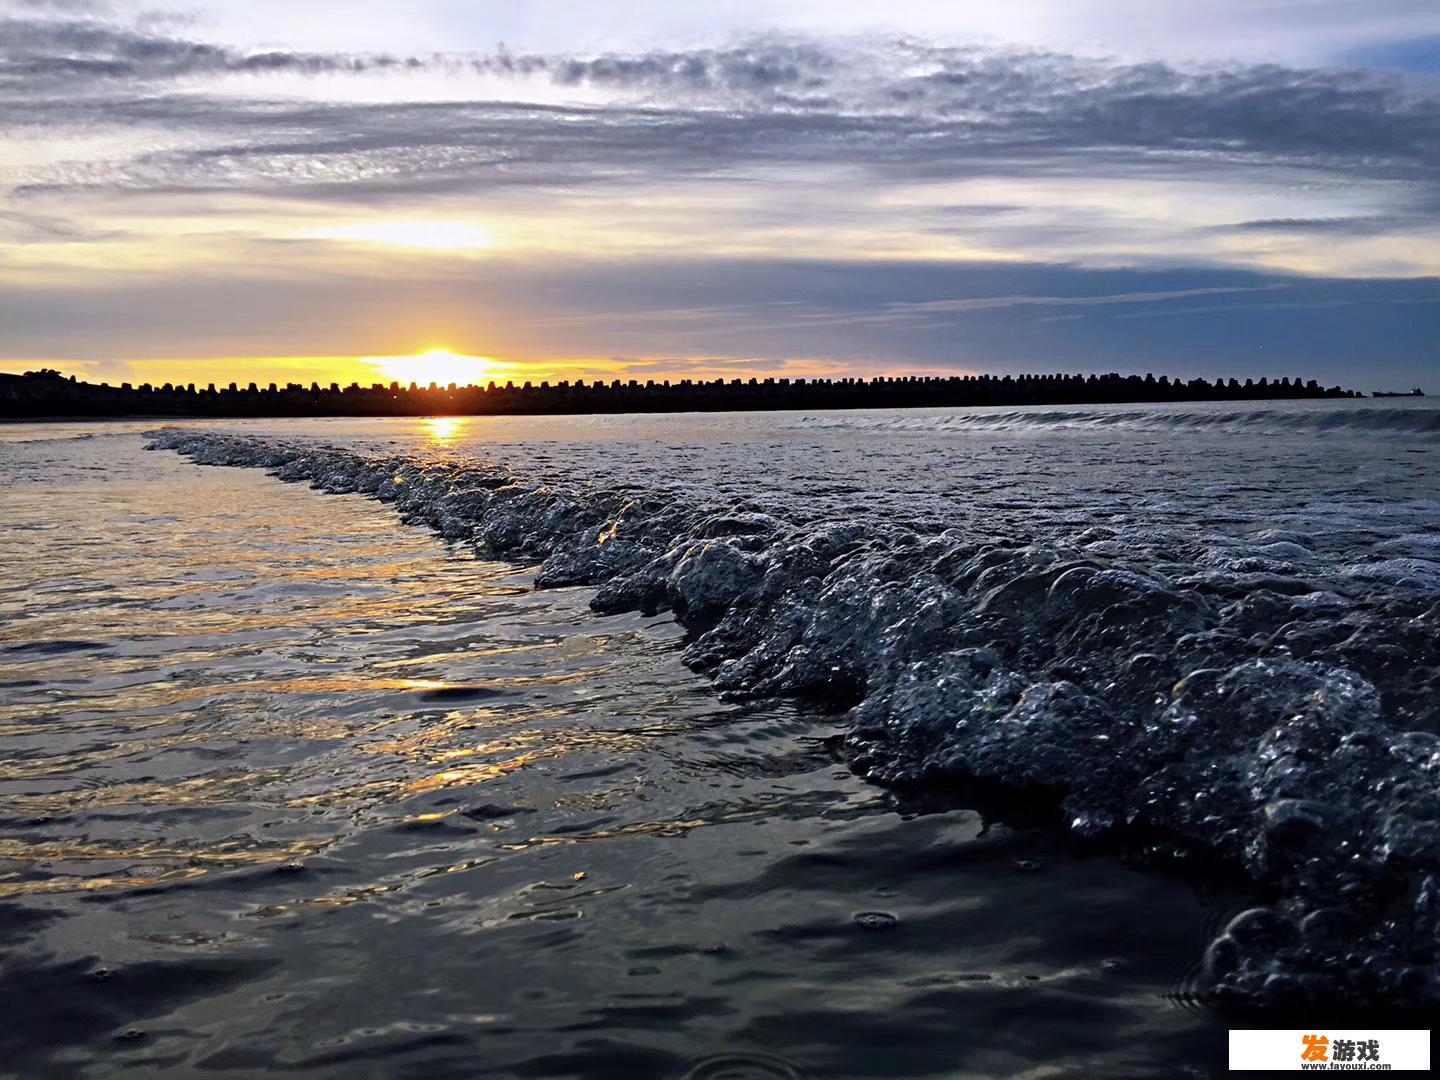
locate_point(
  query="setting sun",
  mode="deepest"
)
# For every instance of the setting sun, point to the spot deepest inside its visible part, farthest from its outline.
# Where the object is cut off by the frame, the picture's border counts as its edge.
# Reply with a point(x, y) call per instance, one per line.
point(438, 366)
point(430, 235)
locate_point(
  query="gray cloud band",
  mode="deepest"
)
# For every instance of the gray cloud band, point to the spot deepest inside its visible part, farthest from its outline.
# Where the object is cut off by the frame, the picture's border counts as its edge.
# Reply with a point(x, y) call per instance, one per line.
point(897, 110)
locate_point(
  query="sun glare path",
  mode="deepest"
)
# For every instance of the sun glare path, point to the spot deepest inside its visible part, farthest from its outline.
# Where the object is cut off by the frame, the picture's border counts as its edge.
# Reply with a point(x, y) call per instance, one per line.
point(443, 430)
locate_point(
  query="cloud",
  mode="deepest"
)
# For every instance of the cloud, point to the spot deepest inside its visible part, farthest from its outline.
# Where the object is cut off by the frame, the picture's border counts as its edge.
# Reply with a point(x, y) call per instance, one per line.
point(1346, 226)
point(891, 104)
point(69, 7)
point(78, 53)
point(973, 115)
point(764, 67)
point(1211, 309)
point(50, 54)
point(760, 318)
point(39, 228)
point(992, 303)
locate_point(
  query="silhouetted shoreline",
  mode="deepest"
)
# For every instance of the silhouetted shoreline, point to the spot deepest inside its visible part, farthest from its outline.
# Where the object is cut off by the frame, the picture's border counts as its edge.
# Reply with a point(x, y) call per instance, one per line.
point(47, 395)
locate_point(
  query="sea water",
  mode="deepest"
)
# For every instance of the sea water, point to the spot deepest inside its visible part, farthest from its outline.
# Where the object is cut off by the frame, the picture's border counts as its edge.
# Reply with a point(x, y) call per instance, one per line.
point(854, 744)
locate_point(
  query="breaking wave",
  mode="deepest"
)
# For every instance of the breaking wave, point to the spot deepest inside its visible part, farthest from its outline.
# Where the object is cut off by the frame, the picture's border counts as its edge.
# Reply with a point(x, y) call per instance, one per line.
point(1258, 701)
point(1379, 421)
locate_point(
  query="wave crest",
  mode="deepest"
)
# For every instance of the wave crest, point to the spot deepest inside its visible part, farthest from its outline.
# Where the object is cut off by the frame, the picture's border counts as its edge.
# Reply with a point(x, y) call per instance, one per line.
point(1380, 421)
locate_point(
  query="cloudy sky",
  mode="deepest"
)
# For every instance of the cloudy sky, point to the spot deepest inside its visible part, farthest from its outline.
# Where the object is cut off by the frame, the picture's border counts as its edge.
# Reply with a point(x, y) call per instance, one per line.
point(275, 190)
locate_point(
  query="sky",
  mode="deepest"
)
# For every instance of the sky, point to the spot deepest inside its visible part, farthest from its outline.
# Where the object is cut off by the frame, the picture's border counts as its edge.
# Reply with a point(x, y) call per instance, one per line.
point(281, 191)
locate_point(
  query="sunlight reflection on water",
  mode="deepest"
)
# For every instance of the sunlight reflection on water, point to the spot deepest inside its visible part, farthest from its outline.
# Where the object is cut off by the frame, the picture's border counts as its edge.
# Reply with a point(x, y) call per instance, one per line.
point(444, 430)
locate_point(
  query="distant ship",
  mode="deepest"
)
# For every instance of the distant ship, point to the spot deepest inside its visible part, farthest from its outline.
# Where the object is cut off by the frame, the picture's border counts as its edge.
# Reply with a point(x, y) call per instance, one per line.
point(1417, 392)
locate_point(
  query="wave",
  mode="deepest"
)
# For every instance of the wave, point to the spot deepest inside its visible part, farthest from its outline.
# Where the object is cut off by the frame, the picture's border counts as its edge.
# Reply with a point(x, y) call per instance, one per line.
point(1380, 421)
point(1260, 704)
point(19, 436)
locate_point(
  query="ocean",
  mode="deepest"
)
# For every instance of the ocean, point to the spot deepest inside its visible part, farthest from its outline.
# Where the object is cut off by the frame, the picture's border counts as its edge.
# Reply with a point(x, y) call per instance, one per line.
point(856, 744)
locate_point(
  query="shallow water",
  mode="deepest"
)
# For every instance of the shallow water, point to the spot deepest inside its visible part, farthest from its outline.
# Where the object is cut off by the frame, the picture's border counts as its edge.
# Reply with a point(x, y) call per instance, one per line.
point(290, 787)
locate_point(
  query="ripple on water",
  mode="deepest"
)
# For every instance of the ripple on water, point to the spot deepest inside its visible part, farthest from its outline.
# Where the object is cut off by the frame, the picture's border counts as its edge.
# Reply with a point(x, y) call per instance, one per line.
point(742, 1067)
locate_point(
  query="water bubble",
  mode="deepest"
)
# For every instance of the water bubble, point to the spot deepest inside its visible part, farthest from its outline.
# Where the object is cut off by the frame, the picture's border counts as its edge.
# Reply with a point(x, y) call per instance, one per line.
point(875, 920)
point(742, 1066)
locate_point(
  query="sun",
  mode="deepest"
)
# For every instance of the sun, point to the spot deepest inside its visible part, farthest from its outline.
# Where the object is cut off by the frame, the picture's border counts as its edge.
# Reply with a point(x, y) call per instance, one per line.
point(439, 366)
point(427, 234)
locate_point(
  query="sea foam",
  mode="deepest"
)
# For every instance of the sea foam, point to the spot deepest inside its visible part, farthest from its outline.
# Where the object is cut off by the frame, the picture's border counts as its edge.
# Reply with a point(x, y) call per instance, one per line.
point(1318, 420)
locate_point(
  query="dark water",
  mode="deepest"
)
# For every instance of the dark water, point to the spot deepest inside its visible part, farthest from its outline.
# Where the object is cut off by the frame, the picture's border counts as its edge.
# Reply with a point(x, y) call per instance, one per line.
point(289, 788)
